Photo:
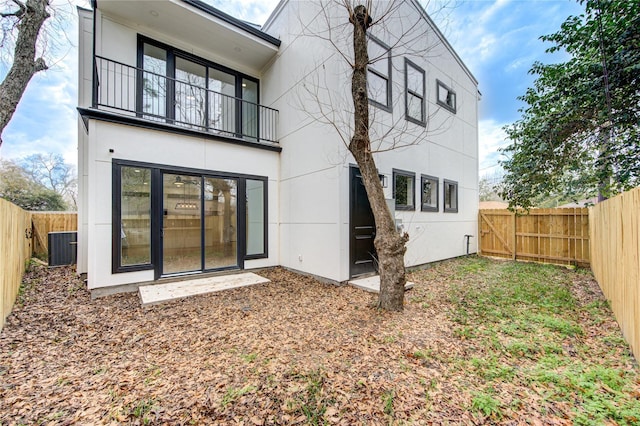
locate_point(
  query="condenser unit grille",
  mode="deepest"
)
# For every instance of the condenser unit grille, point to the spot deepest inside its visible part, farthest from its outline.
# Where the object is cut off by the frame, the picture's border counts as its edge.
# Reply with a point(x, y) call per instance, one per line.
point(63, 248)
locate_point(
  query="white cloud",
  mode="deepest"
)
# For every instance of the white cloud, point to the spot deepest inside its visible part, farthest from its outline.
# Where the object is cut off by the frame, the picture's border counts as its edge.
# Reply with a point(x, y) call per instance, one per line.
point(491, 137)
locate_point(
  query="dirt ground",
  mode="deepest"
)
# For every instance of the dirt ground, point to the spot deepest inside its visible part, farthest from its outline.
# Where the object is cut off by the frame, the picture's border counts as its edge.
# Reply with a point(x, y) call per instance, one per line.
point(291, 351)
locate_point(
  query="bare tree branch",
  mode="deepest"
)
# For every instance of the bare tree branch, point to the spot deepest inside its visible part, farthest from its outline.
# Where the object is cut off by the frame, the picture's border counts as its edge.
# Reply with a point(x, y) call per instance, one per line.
point(25, 64)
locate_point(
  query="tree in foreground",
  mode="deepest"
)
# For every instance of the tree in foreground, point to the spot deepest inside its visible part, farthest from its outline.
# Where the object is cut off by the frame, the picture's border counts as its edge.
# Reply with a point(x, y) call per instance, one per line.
point(348, 27)
point(578, 135)
point(22, 190)
point(389, 243)
point(20, 22)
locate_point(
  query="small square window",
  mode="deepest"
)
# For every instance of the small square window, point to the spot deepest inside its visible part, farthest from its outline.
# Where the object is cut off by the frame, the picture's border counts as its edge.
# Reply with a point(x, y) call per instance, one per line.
point(450, 196)
point(404, 189)
point(429, 194)
point(446, 96)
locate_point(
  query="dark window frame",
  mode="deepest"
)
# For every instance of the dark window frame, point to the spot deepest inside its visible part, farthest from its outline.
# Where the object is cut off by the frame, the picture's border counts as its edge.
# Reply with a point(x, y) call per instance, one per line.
point(422, 121)
point(265, 248)
point(170, 72)
point(445, 183)
point(116, 218)
point(156, 212)
point(426, 207)
point(389, 106)
point(412, 175)
point(446, 106)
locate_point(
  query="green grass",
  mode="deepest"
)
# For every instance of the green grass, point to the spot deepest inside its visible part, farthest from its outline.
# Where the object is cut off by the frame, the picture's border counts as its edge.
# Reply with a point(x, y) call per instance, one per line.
point(232, 394)
point(311, 401)
point(387, 401)
point(486, 403)
point(525, 314)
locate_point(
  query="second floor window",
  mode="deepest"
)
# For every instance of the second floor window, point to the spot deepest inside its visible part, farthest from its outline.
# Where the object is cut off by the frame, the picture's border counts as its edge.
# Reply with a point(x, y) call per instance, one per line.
point(191, 92)
point(379, 74)
point(414, 96)
point(446, 97)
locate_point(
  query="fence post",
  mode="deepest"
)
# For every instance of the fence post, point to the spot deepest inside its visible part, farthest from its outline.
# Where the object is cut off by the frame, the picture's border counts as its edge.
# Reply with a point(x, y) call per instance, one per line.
point(515, 241)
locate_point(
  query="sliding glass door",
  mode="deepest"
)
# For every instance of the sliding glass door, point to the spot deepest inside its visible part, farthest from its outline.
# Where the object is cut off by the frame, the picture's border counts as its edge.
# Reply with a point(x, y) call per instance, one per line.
point(179, 221)
point(220, 223)
point(181, 224)
point(199, 225)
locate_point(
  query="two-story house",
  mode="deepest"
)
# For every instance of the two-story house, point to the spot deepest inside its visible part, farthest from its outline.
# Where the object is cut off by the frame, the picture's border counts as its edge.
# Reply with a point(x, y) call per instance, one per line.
point(209, 144)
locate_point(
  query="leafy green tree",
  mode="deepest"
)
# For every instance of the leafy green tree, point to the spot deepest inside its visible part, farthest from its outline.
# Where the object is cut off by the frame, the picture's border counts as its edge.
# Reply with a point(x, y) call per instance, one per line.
point(19, 188)
point(578, 134)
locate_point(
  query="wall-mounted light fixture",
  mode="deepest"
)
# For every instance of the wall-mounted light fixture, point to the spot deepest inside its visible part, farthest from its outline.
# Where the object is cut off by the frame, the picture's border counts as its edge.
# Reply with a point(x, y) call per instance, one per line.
point(383, 180)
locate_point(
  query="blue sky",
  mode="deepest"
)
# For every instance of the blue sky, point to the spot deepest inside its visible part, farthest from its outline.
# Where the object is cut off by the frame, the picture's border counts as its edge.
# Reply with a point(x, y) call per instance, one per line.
point(498, 40)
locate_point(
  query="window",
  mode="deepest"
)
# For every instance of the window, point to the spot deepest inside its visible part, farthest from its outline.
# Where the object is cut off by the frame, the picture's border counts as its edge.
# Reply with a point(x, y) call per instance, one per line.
point(450, 196)
point(404, 189)
point(189, 91)
point(414, 77)
point(132, 221)
point(429, 193)
point(154, 81)
point(379, 74)
point(446, 96)
point(256, 215)
point(175, 220)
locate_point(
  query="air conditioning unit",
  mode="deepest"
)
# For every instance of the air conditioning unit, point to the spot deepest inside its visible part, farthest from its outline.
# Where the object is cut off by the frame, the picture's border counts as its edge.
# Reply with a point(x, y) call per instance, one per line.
point(63, 248)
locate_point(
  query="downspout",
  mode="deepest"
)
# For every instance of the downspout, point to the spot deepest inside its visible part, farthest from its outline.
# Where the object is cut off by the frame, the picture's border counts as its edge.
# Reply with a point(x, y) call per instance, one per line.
point(468, 237)
point(94, 91)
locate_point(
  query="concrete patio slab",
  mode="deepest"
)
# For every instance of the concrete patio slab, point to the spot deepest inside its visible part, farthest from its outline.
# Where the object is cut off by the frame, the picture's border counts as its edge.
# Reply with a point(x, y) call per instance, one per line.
point(159, 293)
point(372, 284)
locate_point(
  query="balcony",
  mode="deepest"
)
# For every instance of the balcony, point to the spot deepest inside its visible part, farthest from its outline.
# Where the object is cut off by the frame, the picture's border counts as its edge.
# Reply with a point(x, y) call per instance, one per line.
point(184, 103)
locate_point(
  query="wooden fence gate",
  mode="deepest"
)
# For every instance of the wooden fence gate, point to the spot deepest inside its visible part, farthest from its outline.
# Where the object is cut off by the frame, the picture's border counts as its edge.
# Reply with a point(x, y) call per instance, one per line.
point(559, 236)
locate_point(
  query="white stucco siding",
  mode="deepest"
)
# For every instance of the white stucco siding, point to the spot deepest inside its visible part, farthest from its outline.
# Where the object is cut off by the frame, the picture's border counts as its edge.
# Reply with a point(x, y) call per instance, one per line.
point(117, 40)
point(85, 50)
point(447, 149)
point(163, 149)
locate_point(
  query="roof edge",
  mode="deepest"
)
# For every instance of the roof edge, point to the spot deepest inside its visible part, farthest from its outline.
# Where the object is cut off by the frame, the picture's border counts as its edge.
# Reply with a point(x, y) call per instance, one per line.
point(233, 21)
point(433, 25)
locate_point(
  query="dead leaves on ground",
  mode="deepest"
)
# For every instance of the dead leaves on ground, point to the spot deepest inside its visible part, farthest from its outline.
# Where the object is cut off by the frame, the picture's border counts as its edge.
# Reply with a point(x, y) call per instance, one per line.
point(294, 351)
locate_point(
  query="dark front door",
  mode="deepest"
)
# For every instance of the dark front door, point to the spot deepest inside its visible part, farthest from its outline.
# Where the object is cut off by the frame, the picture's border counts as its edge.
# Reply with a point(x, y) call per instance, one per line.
point(362, 228)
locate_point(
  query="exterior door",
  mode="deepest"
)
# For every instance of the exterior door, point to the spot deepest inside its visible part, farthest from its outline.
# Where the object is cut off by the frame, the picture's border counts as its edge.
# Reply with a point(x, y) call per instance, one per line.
point(362, 226)
point(199, 223)
point(181, 224)
point(220, 223)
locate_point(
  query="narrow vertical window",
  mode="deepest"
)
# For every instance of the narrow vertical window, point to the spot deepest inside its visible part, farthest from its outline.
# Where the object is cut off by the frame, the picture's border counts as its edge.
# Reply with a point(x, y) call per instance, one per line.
point(404, 189)
point(249, 108)
point(414, 77)
point(222, 102)
point(190, 94)
point(134, 227)
point(429, 193)
point(256, 218)
point(379, 74)
point(154, 81)
point(446, 96)
point(450, 196)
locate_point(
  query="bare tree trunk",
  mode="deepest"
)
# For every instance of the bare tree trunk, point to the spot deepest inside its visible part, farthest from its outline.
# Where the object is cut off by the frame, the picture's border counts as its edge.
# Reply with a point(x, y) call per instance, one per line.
point(31, 15)
point(389, 244)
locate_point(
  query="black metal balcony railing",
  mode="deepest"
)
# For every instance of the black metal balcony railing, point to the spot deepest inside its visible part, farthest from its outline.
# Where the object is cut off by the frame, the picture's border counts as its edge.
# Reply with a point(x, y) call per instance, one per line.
point(137, 92)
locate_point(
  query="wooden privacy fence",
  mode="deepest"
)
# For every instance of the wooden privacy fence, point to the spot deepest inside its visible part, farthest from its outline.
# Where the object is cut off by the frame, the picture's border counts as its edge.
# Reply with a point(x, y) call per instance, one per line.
point(15, 250)
point(45, 222)
point(615, 259)
point(559, 236)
